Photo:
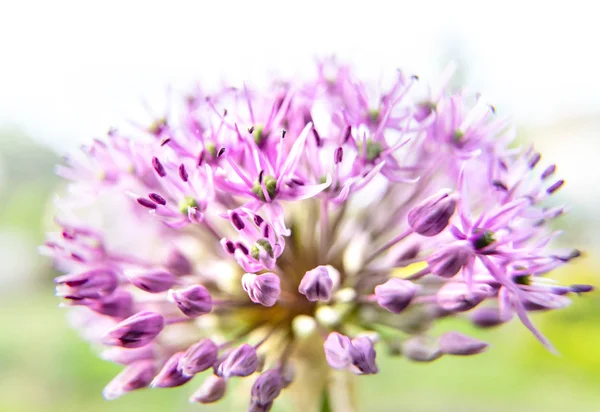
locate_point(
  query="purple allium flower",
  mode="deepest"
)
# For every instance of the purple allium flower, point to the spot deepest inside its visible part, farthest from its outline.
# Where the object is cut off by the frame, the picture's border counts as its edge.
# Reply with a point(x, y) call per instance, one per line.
point(233, 227)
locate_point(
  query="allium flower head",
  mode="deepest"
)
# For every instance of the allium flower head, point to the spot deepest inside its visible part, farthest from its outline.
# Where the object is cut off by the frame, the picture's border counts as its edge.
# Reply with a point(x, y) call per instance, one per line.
point(202, 241)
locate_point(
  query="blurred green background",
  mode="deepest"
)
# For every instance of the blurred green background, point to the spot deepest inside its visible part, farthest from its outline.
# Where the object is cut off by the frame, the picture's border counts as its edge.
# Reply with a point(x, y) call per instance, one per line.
point(45, 366)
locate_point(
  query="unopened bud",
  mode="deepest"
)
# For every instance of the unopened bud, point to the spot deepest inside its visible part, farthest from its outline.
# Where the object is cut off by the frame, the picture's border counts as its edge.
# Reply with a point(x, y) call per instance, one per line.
point(170, 375)
point(193, 301)
point(431, 216)
point(267, 387)
point(454, 343)
point(199, 357)
point(395, 294)
point(91, 284)
point(263, 289)
point(136, 331)
point(448, 260)
point(242, 361)
point(135, 376)
point(154, 281)
point(316, 285)
point(212, 389)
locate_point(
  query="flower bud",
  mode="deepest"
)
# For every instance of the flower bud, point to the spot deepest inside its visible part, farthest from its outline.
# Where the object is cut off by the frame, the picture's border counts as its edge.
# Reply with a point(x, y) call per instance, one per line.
point(119, 304)
point(170, 375)
point(193, 301)
point(395, 294)
point(421, 349)
point(263, 289)
point(178, 264)
point(137, 375)
point(316, 285)
point(154, 281)
point(338, 350)
point(454, 343)
point(488, 317)
point(431, 216)
point(212, 389)
point(448, 260)
point(199, 357)
point(91, 284)
point(127, 356)
point(242, 361)
point(267, 387)
point(363, 356)
point(457, 297)
point(136, 331)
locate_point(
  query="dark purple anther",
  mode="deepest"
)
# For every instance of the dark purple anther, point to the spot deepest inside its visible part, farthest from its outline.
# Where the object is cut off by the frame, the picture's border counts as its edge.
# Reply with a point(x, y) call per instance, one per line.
point(158, 199)
point(318, 139)
point(158, 167)
point(170, 375)
point(347, 134)
point(549, 171)
point(499, 185)
point(146, 203)
point(220, 152)
point(237, 221)
point(242, 247)
point(230, 246)
point(534, 160)
point(338, 155)
point(555, 186)
point(581, 288)
point(258, 220)
point(183, 174)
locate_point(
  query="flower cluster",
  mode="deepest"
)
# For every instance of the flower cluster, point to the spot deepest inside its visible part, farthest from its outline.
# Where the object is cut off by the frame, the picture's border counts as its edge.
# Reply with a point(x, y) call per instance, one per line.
point(216, 239)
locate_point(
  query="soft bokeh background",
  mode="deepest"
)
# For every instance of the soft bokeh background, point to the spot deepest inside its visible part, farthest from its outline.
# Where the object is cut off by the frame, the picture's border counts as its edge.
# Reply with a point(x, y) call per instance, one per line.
point(69, 70)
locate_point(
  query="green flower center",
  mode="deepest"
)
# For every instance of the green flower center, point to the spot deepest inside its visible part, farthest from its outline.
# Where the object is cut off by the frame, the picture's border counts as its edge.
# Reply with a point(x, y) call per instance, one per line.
point(259, 135)
point(485, 239)
point(373, 151)
point(186, 203)
point(270, 185)
point(264, 244)
point(374, 116)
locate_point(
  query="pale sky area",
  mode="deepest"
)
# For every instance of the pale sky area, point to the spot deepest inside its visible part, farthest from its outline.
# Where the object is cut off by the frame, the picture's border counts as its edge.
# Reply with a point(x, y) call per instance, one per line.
point(71, 69)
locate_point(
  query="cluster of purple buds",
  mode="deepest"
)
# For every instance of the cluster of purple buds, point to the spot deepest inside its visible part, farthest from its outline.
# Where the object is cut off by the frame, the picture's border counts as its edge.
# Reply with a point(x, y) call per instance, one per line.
point(198, 242)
